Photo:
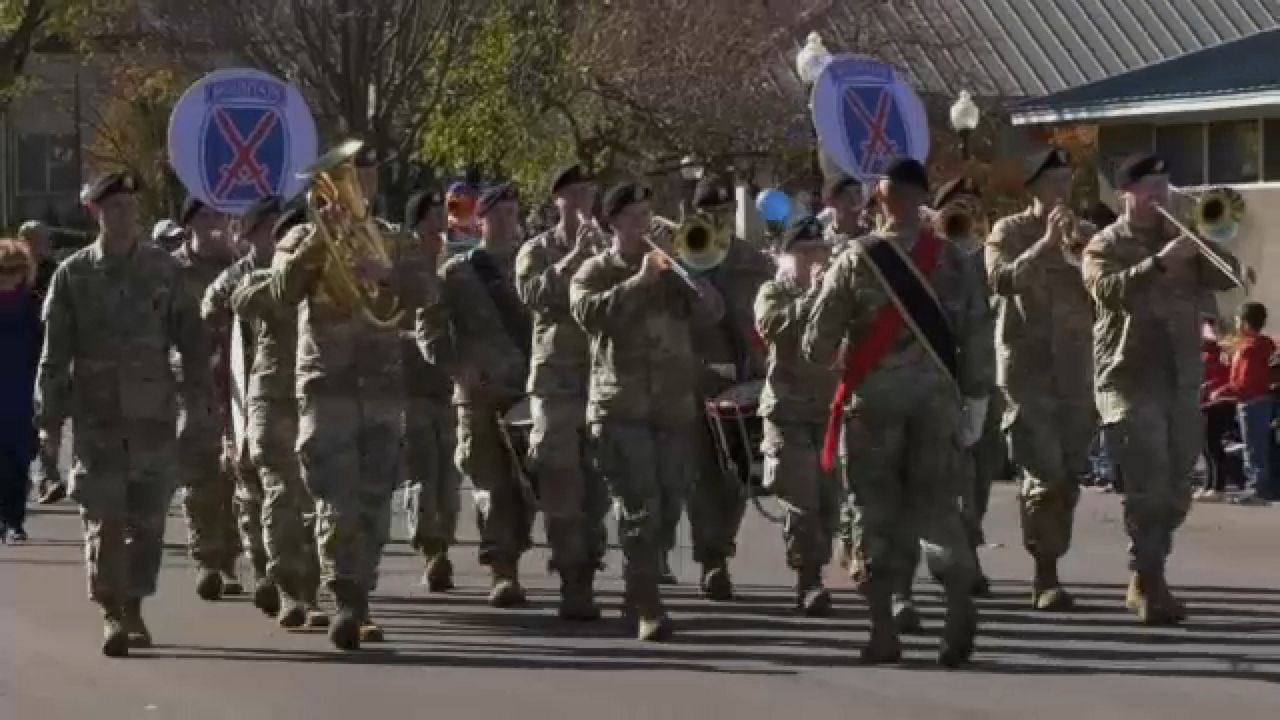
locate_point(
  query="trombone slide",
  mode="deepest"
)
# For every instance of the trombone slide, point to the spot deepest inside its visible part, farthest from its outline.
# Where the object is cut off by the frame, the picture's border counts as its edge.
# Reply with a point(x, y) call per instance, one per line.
point(675, 266)
point(1222, 265)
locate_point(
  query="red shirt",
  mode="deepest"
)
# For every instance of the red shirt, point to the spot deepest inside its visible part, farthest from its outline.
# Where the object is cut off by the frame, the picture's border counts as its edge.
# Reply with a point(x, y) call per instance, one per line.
point(1250, 368)
point(1216, 372)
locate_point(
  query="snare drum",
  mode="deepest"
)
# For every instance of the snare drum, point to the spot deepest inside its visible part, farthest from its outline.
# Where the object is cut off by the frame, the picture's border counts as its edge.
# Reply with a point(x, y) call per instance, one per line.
point(734, 421)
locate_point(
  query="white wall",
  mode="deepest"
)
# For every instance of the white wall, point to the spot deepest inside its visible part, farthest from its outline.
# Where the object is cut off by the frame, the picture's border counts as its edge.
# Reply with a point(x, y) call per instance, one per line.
point(1258, 247)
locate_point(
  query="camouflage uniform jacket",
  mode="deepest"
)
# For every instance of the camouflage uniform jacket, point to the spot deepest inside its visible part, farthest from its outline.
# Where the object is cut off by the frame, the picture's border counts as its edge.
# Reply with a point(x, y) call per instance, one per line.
point(561, 355)
point(339, 351)
point(851, 297)
point(463, 330)
point(733, 339)
point(795, 389)
point(274, 328)
point(198, 273)
point(111, 323)
point(1146, 340)
point(422, 379)
point(642, 362)
point(1044, 315)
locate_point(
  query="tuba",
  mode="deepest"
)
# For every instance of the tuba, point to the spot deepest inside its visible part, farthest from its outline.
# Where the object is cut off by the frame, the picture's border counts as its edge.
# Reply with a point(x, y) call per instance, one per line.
point(334, 183)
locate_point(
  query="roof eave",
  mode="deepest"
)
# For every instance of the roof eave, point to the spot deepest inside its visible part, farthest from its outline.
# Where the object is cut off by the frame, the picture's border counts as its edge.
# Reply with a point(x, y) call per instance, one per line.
point(1121, 110)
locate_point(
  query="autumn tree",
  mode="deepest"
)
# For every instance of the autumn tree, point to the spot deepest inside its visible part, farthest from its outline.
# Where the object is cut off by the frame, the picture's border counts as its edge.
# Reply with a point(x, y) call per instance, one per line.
point(25, 24)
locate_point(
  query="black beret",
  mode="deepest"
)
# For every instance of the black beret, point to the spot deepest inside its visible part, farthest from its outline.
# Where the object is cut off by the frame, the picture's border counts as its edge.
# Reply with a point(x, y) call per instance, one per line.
point(1047, 159)
point(493, 195)
point(367, 157)
point(291, 216)
point(620, 196)
point(802, 231)
point(570, 175)
point(1136, 167)
point(418, 205)
point(837, 184)
point(258, 211)
point(190, 207)
point(907, 171)
point(954, 189)
point(711, 192)
point(111, 184)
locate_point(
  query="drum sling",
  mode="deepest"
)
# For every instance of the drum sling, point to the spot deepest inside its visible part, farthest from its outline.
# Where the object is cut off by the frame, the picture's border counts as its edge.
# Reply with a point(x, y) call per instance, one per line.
point(511, 311)
point(912, 303)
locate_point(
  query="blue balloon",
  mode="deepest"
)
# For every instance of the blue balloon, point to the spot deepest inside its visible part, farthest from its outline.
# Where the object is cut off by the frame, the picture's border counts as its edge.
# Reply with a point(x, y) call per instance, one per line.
point(774, 205)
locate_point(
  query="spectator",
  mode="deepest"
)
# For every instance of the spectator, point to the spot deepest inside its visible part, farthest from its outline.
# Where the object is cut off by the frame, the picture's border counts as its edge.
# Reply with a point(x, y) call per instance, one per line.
point(1219, 415)
point(1249, 384)
point(20, 338)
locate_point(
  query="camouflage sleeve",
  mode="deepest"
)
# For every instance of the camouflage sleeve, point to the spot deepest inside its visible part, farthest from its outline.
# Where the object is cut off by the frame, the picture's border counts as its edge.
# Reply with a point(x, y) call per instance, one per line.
point(188, 335)
point(597, 304)
point(215, 306)
point(1211, 278)
point(1107, 278)
point(53, 379)
point(433, 326)
point(413, 273)
point(540, 283)
point(975, 332)
point(252, 298)
point(778, 313)
point(833, 310)
point(1008, 272)
point(706, 308)
point(297, 265)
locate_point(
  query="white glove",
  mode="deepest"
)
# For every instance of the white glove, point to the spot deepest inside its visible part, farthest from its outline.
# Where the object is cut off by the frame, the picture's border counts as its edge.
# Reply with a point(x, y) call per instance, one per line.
point(973, 417)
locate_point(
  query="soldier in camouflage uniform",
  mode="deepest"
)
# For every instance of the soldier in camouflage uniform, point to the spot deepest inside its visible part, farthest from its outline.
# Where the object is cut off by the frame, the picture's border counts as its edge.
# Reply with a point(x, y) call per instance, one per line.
point(1046, 363)
point(479, 332)
point(573, 498)
point(113, 312)
point(639, 317)
point(794, 405)
point(903, 424)
point(731, 353)
point(209, 479)
point(430, 422)
point(1147, 280)
point(288, 511)
point(351, 407)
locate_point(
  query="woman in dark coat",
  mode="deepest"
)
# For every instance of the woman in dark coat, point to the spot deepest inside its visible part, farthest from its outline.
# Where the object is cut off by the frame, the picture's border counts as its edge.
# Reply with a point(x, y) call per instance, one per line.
point(20, 340)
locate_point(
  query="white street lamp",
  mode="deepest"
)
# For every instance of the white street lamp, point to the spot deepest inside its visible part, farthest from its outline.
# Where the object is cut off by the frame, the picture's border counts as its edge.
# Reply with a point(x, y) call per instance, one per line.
point(811, 59)
point(965, 116)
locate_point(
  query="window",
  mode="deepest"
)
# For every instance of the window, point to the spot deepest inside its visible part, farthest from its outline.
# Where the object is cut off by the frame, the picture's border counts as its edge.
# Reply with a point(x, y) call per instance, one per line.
point(1117, 142)
point(1233, 152)
point(1271, 146)
point(1182, 146)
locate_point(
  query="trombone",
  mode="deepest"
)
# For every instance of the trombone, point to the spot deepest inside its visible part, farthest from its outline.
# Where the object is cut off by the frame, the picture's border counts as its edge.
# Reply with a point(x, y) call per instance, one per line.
point(1221, 265)
point(671, 262)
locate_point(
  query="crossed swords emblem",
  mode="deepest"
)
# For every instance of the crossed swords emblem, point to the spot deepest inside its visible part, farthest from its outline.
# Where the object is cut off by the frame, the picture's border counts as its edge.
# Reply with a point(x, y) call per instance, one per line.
point(244, 167)
point(878, 147)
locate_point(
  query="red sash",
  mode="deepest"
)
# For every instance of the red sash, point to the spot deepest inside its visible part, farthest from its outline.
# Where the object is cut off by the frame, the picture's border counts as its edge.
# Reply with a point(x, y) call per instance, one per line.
point(863, 355)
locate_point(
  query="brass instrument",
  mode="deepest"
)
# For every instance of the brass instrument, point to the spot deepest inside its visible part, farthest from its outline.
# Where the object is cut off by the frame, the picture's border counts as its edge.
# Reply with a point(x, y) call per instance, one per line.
point(1207, 252)
point(1217, 213)
point(356, 235)
point(1073, 239)
point(693, 244)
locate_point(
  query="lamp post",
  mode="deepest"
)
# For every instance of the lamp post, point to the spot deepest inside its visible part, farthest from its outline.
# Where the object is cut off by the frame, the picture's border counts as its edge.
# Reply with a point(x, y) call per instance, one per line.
point(810, 61)
point(965, 116)
point(691, 168)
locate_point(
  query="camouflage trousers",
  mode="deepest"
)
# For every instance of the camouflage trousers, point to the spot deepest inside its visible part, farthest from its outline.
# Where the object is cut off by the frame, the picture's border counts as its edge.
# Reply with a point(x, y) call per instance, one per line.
point(350, 453)
point(1156, 442)
point(811, 497)
point(209, 502)
point(123, 480)
point(900, 460)
point(504, 515)
point(647, 470)
point(572, 496)
point(1049, 440)
point(287, 512)
point(430, 435)
point(718, 498)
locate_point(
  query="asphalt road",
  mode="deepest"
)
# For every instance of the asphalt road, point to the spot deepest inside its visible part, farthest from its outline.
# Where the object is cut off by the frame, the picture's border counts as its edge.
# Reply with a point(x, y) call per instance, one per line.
point(454, 657)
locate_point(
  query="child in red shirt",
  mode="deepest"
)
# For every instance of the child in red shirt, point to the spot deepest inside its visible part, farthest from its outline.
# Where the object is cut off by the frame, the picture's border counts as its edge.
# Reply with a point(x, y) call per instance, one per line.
point(1250, 383)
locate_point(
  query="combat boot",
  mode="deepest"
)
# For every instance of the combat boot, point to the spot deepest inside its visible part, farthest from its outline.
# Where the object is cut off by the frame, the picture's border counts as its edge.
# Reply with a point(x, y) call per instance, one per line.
point(959, 628)
point(231, 584)
point(812, 599)
point(577, 597)
point(209, 585)
point(716, 584)
point(307, 596)
point(1149, 598)
point(883, 647)
point(666, 577)
point(266, 597)
point(505, 591)
point(291, 614)
point(1047, 593)
point(344, 632)
point(115, 637)
point(139, 635)
point(981, 583)
point(906, 620)
point(652, 622)
point(370, 631)
point(439, 573)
